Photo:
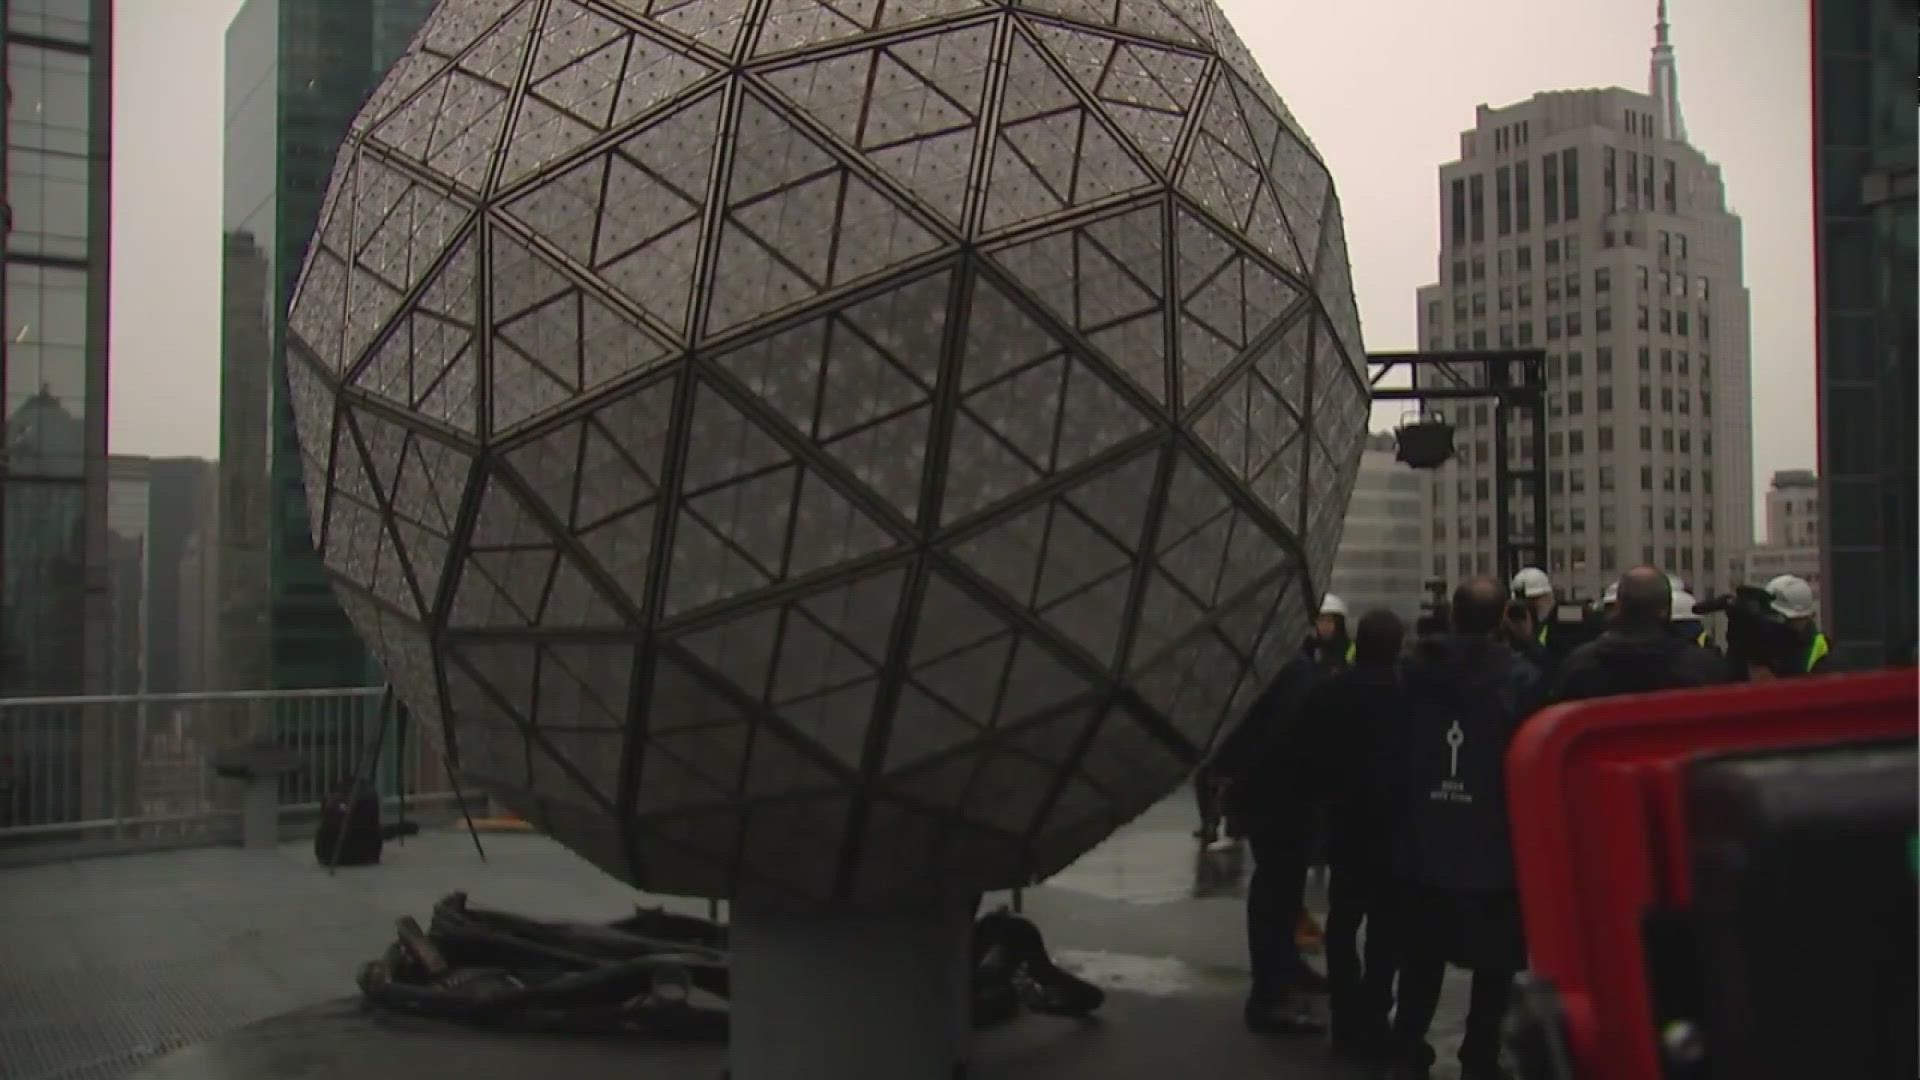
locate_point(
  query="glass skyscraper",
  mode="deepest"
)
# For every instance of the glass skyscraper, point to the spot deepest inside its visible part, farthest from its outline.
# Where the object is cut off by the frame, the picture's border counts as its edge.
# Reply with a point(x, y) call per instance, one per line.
point(53, 485)
point(1865, 64)
point(297, 70)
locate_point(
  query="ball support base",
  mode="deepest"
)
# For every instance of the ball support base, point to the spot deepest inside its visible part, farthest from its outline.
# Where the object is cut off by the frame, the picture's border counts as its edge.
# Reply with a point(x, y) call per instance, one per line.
point(827, 993)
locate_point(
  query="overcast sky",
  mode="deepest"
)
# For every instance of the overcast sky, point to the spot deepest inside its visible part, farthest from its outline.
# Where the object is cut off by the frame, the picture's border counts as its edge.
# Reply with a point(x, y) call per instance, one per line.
point(1383, 86)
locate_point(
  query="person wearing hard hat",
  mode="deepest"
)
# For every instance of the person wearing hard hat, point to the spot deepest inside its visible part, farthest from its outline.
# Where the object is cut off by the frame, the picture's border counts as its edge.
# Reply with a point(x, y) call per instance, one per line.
point(1793, 602)
point(1529, 619)
point(1268, 800)
point(1610, 601)
point(1330, 633)
point(1684, 622)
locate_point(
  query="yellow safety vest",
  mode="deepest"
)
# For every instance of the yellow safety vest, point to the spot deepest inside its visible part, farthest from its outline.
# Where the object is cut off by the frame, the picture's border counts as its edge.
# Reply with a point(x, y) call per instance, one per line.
point(1819, 649)
point(1543, 633)
point(1701, 640)
point(1352, 648)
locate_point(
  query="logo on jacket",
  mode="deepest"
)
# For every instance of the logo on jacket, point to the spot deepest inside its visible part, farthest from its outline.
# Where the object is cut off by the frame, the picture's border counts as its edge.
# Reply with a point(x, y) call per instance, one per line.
point(1452, 789)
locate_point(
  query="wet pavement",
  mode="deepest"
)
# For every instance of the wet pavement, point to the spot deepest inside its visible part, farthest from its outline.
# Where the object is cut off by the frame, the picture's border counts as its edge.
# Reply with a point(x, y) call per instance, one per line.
point(113, 964)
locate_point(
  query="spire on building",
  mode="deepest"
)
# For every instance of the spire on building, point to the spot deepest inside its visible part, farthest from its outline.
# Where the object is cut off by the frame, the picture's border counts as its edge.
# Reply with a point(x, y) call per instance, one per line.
point(1663, 82)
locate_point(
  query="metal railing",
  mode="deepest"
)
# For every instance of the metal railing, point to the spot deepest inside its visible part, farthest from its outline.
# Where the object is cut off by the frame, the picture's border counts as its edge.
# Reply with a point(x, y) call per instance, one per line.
point(140, 767)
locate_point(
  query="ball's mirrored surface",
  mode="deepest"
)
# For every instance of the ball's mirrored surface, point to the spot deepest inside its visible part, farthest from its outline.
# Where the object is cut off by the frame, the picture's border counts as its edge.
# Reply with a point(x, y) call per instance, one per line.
point(811, 450)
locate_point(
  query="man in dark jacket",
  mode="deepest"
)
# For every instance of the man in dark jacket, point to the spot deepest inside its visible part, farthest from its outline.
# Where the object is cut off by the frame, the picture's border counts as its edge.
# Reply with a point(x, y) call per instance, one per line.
point(1350, 723)
point(1640, 653)
point(1269, 797)
point(1456, 897)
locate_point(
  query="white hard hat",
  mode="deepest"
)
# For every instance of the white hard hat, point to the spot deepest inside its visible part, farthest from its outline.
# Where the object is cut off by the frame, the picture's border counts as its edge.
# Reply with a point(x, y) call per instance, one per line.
point(1532, 582)
point(1333, 605)
point(1792, 597)
point(1682, 606)
point(1612, 595)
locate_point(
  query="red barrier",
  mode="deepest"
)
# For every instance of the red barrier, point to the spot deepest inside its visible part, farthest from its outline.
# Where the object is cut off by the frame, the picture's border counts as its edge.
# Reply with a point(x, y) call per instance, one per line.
point(1596, 799)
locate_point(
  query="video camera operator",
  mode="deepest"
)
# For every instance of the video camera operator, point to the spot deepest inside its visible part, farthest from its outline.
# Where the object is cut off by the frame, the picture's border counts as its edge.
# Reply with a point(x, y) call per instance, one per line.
point(1770, 631)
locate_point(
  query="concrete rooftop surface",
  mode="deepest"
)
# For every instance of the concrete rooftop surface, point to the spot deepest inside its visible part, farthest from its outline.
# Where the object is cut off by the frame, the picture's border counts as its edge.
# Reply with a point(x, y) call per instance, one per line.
point(108, 966)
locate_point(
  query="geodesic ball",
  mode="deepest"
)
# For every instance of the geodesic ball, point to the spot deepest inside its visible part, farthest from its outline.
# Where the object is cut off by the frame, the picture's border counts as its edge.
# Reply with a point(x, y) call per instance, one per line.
point(805, 450)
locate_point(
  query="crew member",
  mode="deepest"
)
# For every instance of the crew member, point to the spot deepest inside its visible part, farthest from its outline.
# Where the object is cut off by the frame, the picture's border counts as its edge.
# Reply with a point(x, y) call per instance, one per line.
point(1268, 798)
point(1456, 900)
point(1351, 724)
point(1793, 602)
point(1685, 624)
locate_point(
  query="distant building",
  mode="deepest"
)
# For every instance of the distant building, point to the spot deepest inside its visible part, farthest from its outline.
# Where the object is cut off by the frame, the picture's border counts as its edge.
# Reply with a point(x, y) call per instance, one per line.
point(129, 536)
point(1379, 564)
point(199, 664)
point(54, 619)
point(156, 507)
point(1793, 509)
point(297, 72)
point(1584, 223)
point(1865, 63)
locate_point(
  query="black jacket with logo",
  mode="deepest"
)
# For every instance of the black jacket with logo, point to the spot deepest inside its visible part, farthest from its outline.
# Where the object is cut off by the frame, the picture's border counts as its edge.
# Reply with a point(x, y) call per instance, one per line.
point(1465, 698)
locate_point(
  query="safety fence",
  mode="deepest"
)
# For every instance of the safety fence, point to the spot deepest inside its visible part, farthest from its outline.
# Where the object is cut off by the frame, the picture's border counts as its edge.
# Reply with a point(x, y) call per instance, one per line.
point(139, 768)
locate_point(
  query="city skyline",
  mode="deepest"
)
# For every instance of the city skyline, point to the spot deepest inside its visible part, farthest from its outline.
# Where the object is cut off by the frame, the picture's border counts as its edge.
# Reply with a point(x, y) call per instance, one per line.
point(1383, 146)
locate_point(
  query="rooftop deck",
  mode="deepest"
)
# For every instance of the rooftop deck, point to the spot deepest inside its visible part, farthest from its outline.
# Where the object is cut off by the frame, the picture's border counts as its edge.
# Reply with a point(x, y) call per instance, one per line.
point(111, 963)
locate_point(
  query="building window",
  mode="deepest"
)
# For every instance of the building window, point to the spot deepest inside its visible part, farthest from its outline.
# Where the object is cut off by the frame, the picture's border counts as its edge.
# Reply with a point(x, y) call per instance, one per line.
point(1666, 479)
point(1476, 208)
point(1683, 400)
point(1645, 359)
point(1666, 361)
point(1503, 200)
point(1573, 364)
point(1646, 438)
point(1553, 290)
point(1479, 339)
point(1666, 242)
point(1573, 324)
point(1686, 481)
point(1506, 335)
point(1460, 307)
point(1576, 403)
point(1610, 198)
point(1605, 437)
point(1577, 522)
point(1577, 482)
point(1459, 204)
point(1526, 333)
point(1576, 442)
point(1556, 482)
point(1666, 320)
point(1667, 519)
point(1602, 319)
point(1553, 327)
point(1701, 288)
point(1602, 280)
point(1603, 360)
point(1479, 268)
point(1666, 399)
point(1459, 272)
point(1439, 529)
point(1479, 304)
point(1553, 253)
point(1641, 321)
point(1686, 442)
point(1705, 334)
point(1523, 258)
point(1573, 285)
point(1506, 298)
point(1570, 248)
point(1550, 188)
point(1570, 183)
point(1553, 445)
point(1522, 197)
point(1666, 439)
point(1681, 361)
point(1680, 323)
point(1505, 263)
point(1523, 293)
point(1482, 490)
point(1603, 401)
